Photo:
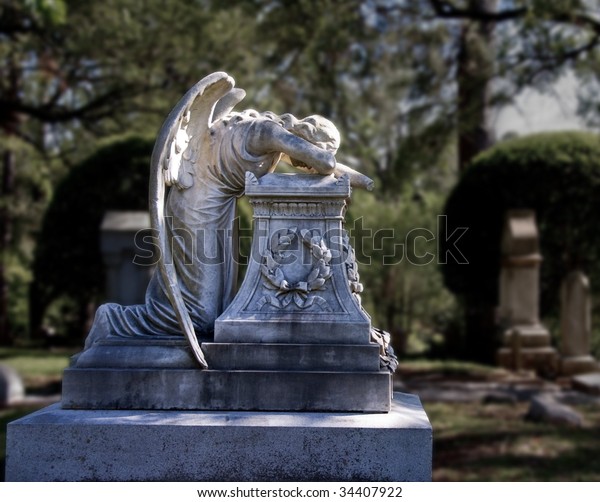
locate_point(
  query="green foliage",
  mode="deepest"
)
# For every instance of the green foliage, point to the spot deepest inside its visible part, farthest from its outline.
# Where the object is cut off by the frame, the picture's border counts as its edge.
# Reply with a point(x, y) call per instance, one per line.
point(555, 174)
point(67, 260)
point(90, 69)
point(395, 242)
point(24, 206)
point(50, 11)
point(365, 67)
point(37, 367)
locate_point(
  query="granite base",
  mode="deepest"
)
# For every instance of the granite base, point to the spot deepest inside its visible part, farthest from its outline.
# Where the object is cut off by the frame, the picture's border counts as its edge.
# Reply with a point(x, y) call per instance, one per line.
point(55, 444)
point(578, 365)
point(221, 390)
point(162, 375)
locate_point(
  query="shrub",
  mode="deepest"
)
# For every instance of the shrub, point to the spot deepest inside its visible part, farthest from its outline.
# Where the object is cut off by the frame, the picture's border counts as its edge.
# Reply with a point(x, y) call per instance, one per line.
point(68, 263)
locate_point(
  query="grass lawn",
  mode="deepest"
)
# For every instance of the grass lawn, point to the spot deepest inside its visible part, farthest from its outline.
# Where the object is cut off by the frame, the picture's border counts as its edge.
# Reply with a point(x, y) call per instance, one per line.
point(39, 368)
point(492, 442)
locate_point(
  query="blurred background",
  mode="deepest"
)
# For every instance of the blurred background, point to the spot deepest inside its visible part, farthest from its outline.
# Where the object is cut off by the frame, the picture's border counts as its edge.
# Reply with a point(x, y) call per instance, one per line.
point(457, 109)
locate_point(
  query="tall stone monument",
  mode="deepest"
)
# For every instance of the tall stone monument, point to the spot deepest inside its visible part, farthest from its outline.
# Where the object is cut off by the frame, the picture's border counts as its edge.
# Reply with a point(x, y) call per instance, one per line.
point(287, 380)
point(526, 342)
point(575, 325)
point(127, 255)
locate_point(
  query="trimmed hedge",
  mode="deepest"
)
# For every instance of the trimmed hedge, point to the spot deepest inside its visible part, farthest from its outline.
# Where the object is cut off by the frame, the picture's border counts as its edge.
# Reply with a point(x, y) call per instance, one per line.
point(68, 261)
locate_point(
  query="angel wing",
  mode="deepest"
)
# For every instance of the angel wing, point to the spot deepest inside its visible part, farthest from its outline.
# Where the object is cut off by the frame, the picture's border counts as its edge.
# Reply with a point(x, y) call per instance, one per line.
point(185, 126)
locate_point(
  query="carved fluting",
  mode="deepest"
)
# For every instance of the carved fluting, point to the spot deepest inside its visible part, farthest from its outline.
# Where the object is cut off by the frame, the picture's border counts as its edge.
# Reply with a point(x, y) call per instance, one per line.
point(251, 178)
point(261, 208)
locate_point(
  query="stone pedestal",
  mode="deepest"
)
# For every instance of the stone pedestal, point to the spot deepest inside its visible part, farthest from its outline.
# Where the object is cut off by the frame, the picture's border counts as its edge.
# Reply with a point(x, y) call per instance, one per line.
point(576, 326)
point(55, 444)
point(528, 347)
point(526, 342)
point(127, 255)
point(578, 365)
point(299, 284)
point(295, 339)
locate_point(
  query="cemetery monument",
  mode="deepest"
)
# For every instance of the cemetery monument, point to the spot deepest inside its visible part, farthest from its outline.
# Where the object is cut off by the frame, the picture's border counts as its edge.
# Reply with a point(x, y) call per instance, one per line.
point(576, 326)
point(526, 341)
point(284, 381)
point(127, 255)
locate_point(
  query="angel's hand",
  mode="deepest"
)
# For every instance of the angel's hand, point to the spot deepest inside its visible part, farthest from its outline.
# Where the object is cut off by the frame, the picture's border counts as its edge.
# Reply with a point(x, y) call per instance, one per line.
point(357, 180)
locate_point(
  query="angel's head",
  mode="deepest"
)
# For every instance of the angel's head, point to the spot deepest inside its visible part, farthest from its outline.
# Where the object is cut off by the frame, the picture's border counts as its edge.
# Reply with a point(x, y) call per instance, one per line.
point(315, 129)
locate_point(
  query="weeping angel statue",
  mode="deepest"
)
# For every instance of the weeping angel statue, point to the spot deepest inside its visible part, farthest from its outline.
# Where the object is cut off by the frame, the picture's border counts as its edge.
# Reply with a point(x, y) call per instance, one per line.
point(203, 152)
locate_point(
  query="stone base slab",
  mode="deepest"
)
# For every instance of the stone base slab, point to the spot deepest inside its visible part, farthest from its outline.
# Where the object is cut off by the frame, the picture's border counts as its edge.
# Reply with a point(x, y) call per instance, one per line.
point(125, 353)
point(578, 365)
point(589, 383)
point(529, 336)
point(543, 360)
point(333, 329)
point(55, 444)
point(217, 390)
point(292, 357)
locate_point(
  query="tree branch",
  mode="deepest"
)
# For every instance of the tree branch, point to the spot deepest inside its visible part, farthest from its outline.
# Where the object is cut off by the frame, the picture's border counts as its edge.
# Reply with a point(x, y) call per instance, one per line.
point(99, 107)
point(14, 22)
point(447, 9)
point(578, 19)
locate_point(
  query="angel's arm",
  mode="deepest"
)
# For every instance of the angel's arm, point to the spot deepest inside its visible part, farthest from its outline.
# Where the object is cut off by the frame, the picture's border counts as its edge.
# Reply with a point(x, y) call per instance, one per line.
point(357, 180)
point(268, 136)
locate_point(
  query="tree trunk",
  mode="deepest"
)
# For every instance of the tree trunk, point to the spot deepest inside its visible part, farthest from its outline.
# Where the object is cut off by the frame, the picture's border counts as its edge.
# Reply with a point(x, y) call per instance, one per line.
point(6, 191)
point(10, 127)
point(474, 73)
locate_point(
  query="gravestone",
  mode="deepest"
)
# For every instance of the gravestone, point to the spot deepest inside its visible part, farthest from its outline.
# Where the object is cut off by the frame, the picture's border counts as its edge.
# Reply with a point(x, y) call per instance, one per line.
point(12, 389)
point(127, 255)
point(285, 381)
point(526, 342)
point(575, 325)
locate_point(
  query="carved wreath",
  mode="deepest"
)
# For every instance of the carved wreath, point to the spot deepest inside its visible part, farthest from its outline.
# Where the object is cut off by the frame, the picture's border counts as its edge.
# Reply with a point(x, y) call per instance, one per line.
point(300, 292)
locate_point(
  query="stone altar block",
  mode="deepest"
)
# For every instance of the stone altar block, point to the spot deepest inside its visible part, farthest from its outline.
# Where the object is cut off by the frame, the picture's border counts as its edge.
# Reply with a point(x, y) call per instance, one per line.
point(297, 288)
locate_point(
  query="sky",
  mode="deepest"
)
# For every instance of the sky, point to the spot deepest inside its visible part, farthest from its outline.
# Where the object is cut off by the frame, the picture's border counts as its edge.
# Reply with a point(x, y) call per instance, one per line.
point(534, 111)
